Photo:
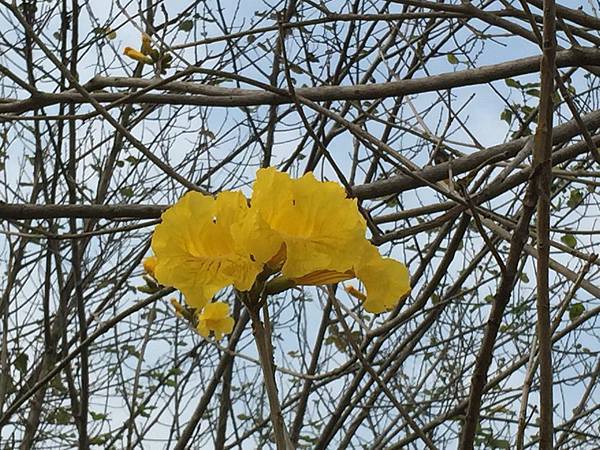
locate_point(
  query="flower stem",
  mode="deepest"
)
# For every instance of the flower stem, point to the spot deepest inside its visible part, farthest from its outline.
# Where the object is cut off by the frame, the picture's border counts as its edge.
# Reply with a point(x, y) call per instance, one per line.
point(262, 335)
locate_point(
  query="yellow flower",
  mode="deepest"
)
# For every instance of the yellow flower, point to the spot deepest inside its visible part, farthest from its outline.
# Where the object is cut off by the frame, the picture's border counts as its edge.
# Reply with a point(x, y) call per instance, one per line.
point(205, 244)
point(320, 227)
point(137, 55)
point(215, 317)
point(150, 265)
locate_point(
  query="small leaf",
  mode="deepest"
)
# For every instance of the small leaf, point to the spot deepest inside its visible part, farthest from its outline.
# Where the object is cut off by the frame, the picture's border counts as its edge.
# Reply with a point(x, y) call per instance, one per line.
point(21, 362)
point(498, 443)
point(569, 240)
point(58, 386)
point(251, 38)
point(576, 310)
point(575, 198)
point(127, 191)
point(130, 349)
point(59, 416)
point(506, 115)
point(296, 69)
point(452, 59)
point(524, 278)
point(132, 160)
point(512, 83)
point(175, 371)
point(105, 32)
point(392, 201)
point(186, 25)
point(100, 439)
point(521, 309)
point(98, 416)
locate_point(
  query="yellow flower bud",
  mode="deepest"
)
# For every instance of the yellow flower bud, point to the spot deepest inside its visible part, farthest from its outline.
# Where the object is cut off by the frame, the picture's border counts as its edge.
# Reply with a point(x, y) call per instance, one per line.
point(138, 56)
point(351, 290)
point(150, 265)
point(146, 44)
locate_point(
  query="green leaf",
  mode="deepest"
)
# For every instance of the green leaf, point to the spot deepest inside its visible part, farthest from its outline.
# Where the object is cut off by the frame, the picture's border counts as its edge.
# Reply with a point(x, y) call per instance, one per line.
point(130, 349)
point(100, 439)
point(392, 201)
point(452, 59)
point(57, 385)
point(575, 198)
point(296, 69)
point(526, 109)
point(576, 310)
point(506, 115)
point(512, 83)
point(569, 240)
point(146, 410)
point(533, 92)
point(175, 371)
point(98, 416)
point(520, 309)
point(498, 443)
point(60, 416)
point(106, 32)
point(127, 191)
point(524, 278)
point(186, 25)
point(10, 385)
point(21, 362)
point(132, 160)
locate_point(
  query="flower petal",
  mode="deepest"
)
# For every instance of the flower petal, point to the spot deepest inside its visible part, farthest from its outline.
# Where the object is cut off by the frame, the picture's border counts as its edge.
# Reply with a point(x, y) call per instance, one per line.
point(324, 277)
point(215, 317)
point(255, 240)
point(386, 281)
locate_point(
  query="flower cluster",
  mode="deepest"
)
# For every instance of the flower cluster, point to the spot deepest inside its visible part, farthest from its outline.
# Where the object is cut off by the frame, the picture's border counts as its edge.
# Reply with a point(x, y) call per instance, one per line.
point(296, 231)
point(149, 55)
